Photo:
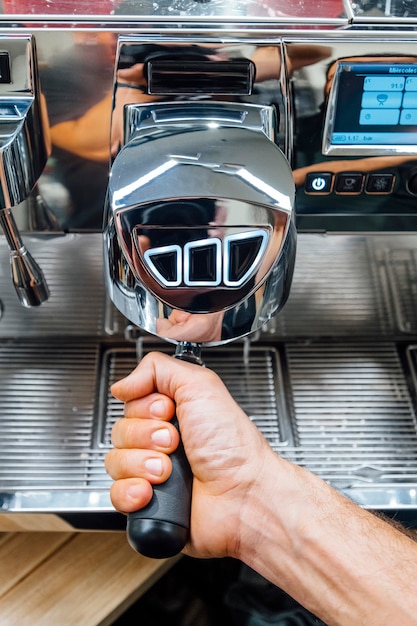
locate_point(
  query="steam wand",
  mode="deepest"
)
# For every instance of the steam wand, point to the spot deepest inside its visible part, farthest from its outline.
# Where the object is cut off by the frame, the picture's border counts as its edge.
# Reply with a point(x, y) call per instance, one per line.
point(28, 278)
point(161, 529)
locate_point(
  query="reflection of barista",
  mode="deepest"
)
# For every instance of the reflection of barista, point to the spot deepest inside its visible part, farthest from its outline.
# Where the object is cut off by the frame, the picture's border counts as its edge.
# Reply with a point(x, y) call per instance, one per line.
point(78, 89)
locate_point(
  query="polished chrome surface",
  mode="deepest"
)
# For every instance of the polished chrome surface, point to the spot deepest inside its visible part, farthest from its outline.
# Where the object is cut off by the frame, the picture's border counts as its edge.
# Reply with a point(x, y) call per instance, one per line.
point(24, 141)
point(384, 10)
point(290, 72)
point(28, 279)
point(24, 148)
point(199, 233)
point(348, 329)
point(321, 9)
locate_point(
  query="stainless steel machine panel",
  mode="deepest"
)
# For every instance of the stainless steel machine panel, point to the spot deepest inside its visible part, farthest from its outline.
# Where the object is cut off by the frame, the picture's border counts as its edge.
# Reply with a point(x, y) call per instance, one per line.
point(330, 380)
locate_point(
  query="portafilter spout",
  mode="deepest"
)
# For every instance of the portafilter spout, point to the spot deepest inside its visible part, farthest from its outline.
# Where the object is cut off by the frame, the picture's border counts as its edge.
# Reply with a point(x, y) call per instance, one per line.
point(199, 250)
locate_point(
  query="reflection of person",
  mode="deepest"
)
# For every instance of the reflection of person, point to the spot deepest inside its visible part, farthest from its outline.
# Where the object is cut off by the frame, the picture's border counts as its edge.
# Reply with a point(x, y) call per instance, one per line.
point(78, 88)
point(191, 327)
point(78, 85)
point(344, 564)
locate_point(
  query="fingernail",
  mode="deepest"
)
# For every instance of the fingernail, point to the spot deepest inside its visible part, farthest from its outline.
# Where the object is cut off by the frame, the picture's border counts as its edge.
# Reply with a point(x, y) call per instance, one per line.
point(154, 466)
point(158, 408)
point(135, 492)
point(162, 437)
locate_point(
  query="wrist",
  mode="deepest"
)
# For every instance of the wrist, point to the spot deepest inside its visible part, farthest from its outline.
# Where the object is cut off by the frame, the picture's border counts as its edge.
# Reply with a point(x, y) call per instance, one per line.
point(272, 514)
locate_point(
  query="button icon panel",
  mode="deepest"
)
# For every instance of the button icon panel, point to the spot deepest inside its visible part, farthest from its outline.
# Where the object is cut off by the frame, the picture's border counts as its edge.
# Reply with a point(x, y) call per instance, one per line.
point(318, 182)
point(380, 183)
point(211, 262)
point(349, 183)
point(352, 183)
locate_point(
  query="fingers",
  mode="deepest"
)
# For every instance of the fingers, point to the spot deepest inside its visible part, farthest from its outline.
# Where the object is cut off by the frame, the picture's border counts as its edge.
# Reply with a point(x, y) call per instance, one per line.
point(155, 405)
point(154, 467)
point(142, 440)
point(160, 372)
point(136, 470)
point(130, 494)
point(156, 372)
point(146, 434)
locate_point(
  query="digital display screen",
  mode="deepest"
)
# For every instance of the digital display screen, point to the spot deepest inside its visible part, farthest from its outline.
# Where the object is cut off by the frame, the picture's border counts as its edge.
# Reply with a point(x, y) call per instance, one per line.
point(372, 109)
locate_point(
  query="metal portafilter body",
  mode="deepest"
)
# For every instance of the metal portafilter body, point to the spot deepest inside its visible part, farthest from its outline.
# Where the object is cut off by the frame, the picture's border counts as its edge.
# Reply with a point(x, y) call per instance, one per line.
point(199, 250)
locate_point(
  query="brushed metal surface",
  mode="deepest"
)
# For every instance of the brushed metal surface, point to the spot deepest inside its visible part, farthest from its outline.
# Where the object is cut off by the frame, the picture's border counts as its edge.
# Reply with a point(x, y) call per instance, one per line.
point(331, 383)
point(73, 268)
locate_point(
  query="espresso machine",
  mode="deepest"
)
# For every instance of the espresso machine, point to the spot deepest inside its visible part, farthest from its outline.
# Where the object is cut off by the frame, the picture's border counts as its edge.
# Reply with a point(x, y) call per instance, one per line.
point(233, 182)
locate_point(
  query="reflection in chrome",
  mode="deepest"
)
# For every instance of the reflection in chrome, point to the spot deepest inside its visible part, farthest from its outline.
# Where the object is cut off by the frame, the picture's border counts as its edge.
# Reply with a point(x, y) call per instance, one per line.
point(211, 251)
point(165, 252)
point(214, 258)
point(24, 150)
point(199, 220)
point(259, 243)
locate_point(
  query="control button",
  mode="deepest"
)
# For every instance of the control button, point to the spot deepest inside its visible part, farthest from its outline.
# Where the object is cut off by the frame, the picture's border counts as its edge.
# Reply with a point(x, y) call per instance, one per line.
point(203, 263)
point(349, 183)
point(380, 183)
point(242, 254)
point(5, 68)
point(165, 264)
point(318, 182)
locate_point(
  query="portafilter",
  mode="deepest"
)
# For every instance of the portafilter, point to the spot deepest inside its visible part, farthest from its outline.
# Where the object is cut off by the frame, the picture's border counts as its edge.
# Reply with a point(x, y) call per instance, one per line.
point(199, 250)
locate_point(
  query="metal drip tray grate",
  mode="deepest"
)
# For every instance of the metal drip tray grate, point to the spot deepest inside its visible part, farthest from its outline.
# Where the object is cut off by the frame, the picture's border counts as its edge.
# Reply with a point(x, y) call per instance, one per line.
point(345, 411)
point(48, 400)
point(401, 266)
point(354, 418)
point(55, 428)
point(255, 386)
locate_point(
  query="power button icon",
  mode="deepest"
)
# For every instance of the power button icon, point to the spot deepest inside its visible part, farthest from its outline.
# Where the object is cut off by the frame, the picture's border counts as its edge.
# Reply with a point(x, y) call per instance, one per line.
point(318, 182)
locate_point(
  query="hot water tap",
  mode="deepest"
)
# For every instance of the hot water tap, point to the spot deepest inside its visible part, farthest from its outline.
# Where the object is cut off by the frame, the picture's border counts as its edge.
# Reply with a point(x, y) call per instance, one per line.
point(24, 150)
point(199, 241)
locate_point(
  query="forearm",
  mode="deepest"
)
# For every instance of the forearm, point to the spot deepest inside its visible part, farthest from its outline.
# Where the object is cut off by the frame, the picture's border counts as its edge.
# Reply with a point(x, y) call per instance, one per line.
point(339, 561)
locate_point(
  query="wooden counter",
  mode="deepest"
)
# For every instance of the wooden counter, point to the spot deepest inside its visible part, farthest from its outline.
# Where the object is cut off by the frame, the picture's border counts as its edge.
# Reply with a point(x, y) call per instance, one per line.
point(71, 579)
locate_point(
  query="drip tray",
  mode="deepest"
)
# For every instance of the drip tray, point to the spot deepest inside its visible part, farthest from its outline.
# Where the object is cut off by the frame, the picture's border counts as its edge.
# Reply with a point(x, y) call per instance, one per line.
point(345, 410)
point(255, 385)
point(355, 421)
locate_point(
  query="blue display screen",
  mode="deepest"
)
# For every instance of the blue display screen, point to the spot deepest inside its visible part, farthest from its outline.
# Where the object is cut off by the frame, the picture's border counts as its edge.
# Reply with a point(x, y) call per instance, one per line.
point(376, 104)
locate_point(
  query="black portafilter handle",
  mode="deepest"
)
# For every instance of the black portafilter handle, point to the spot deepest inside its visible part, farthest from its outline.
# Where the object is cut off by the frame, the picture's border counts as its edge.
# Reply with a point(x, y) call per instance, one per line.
point(161, 529)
